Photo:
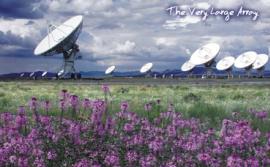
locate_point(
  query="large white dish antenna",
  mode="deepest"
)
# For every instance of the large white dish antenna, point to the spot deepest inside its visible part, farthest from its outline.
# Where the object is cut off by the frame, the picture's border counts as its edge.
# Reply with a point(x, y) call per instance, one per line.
point(110, 70)
point(225, 63)
point(61, 38)
point(205, 54)
point(146, 68)
point(245, 60)
point(187, 66)
point(260, 61)
point(44, 73)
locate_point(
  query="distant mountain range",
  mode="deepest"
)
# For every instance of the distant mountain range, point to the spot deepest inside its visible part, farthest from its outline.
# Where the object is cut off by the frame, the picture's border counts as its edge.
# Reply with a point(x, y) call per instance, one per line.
point(197, 71)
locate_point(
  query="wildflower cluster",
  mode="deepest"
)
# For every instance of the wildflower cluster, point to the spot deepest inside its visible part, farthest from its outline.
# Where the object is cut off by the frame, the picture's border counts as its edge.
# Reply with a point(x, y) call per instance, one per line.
point(126, 139)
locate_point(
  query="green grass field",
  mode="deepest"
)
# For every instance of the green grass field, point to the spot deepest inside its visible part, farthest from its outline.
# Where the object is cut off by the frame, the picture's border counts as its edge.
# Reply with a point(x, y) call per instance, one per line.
point(213, 103)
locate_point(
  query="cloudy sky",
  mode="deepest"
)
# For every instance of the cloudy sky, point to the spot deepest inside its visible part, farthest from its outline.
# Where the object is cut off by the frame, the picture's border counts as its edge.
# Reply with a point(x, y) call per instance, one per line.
point(127, 33)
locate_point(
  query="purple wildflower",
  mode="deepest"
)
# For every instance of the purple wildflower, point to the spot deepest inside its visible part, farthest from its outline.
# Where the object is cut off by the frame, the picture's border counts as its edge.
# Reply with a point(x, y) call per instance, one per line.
point(124, 106)
point(82, 163)
point(131, 156)
point(128, 127)
point(86, 104)
point(47, 105)
point(33, 103)
point(261, 114)
point(112, 159)
point(51, 155)
point(234, 161)
point(105, 88)
point(148, 107)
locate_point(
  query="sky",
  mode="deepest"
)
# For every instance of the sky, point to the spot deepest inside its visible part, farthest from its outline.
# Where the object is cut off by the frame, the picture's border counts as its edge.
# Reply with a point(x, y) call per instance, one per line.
point(128, 33)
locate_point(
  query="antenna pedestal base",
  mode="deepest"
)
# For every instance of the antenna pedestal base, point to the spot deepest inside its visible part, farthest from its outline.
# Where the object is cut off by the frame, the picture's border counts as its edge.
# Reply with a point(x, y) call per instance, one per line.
point(209, 69)
point(248, 71)
point(69, 63)
point(260, 72)
point(229, 73)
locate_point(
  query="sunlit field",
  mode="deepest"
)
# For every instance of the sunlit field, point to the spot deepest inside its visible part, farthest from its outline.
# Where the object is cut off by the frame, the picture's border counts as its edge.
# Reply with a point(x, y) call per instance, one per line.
point(134, 125)
point(216, 100)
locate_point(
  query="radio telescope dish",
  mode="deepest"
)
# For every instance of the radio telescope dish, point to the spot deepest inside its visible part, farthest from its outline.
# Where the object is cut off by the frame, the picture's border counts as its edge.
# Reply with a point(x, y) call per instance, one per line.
point(44, 73)
point(32, 74)
point(22, 75)
point(60, 73)
point(260, 63)
point(245, 61)
point(110, 70)
point(62, 39)
point(226, 64)
point(206, 55)
point(146, 68)
point(188, 67)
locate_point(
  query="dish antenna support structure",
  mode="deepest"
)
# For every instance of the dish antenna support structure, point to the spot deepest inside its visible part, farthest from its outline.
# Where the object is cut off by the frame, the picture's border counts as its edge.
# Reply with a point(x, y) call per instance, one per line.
point(62, 40)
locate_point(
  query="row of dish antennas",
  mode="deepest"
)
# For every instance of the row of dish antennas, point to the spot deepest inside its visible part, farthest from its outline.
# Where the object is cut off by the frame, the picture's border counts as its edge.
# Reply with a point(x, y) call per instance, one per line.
point(207, 54)
point(62, 40)
point(144, 70)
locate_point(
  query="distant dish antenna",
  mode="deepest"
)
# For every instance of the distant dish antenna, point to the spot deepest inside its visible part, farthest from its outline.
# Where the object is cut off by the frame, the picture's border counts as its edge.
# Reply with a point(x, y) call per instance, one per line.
point(245, 61)
point(110, 70)
point(60, 73)
point(259, 64)
point(206, 55)
point(44, 73)
point(187, 67)
point(226, 64)
point(32, 74)
point(62, 39)
point(146, 68)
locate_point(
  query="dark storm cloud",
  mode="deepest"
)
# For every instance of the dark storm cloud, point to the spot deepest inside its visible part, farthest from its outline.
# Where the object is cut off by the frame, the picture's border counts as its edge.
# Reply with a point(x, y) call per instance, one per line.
point(108, 26)
point(30, 22)
point(30, 9)
point(17, 53)
point(10, 39)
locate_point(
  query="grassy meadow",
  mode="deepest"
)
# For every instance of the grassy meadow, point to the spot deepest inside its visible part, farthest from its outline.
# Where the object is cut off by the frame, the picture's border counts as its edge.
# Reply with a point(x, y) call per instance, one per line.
point(212, 103)
point(133, 125)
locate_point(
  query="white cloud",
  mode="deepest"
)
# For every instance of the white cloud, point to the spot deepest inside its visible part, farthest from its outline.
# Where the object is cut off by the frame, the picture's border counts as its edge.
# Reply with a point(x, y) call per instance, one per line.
point(165, 41)
point(181, 22)
point(119, 12)
point(103, 48)
point(18, 27)
point(203, 5)
point(227, 3)
point(79, 6)
point(126, 47)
